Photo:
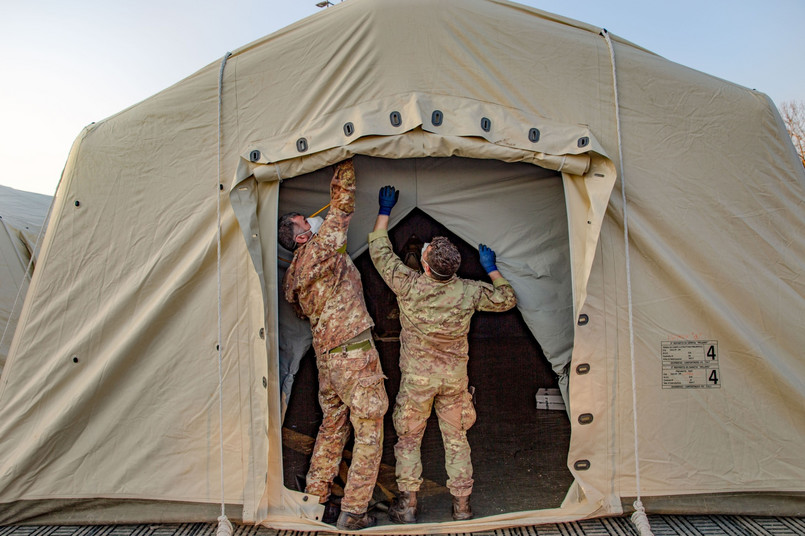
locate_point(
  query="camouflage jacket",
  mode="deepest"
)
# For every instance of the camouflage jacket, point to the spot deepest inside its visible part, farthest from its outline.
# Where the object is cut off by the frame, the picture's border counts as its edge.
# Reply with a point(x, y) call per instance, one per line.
point(322, 282)
point(435, 315)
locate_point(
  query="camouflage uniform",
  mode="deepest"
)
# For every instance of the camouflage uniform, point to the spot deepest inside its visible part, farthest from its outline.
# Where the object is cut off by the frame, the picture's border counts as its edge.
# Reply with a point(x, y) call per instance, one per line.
point(435, 318)
point(323, 284)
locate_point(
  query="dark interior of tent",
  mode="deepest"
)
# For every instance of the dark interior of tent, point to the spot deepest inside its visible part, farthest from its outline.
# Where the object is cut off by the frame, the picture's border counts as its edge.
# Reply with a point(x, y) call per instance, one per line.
point(519, 451)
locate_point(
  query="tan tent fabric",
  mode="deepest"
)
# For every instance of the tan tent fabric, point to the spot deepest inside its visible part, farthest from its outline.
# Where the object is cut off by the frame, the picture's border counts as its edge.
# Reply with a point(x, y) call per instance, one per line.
point(22, 216)
point(109, 396)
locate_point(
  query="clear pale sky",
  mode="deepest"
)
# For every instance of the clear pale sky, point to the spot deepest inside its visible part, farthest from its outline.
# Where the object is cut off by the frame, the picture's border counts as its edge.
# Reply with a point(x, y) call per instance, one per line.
point(69, 63)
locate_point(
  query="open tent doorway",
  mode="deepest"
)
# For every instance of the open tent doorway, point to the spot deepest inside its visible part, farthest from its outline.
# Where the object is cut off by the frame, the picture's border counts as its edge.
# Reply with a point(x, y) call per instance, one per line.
point(519, 451)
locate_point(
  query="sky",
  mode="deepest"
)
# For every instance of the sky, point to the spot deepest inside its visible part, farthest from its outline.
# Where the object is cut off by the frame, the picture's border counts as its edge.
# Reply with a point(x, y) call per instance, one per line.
point(70, 63)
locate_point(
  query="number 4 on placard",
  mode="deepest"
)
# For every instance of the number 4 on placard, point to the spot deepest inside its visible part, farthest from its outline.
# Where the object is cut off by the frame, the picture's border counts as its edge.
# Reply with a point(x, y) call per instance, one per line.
point(713, 377)
point(711, 352)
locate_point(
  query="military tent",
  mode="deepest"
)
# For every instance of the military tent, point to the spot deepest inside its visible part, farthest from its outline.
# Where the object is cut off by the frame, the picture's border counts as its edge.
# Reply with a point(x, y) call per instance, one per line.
point(649, 216)
point(22, 215)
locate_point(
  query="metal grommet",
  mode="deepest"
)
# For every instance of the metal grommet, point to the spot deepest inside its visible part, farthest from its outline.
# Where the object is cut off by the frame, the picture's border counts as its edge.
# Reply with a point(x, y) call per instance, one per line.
point(581, 465)
point(584, 142)
point(254, 156)
point(395, 118)
point(77, 203)
point(265, 382)
point(583, 319)
point(301, 145)
point(305, 498)
point(584, 368)
point(221, 187)
point(533, 135)
point(486, 124)
point(585, 418)
point(436, 118)
point(262, 333)
point(75, 359)
point(349, 129)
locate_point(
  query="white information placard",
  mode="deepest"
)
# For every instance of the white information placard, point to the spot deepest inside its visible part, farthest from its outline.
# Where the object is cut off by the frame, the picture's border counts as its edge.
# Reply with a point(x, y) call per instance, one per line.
point(690, 364)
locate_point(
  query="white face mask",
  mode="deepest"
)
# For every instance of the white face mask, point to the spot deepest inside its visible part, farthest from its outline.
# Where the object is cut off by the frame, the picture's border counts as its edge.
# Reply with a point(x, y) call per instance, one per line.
point(315, 223)
point(422, 254)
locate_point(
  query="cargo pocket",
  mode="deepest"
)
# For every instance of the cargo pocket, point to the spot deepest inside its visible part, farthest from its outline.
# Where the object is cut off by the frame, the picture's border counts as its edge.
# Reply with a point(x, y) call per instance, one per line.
point(355, 360)
point(413, 404)
point(346, 368)
point(369, 399)
point(459, 412)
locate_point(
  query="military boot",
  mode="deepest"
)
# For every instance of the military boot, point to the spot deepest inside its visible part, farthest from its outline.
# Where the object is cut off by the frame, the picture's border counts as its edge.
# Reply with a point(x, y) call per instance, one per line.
point(461, 508)
point(350, 521)
point(332, 509)
point(403, 508)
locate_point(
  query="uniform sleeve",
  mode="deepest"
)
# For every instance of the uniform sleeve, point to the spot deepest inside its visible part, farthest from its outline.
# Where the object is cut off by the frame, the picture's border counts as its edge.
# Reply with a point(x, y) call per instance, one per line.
point(332, 236)
point(287, 284)
point(290, 291)
point(394, 272)
point(342, 187)
point(497, 297)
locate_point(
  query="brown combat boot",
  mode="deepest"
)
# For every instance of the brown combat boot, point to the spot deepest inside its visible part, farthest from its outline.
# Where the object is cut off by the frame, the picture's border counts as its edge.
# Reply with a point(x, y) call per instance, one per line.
point(350, 521)
point(461, 508)
point(403, 508)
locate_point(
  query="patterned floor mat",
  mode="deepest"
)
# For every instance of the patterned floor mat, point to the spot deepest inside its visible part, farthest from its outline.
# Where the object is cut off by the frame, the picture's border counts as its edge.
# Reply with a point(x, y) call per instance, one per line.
point(660, 526)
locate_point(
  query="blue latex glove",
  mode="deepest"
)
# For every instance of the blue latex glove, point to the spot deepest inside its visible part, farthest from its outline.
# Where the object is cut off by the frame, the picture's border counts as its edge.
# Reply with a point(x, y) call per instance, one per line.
point(487, 258)
point(387, 198)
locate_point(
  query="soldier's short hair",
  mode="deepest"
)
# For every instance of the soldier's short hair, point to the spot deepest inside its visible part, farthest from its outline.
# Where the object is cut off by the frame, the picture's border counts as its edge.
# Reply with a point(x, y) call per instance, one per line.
point(286, 231)
point(443, 258)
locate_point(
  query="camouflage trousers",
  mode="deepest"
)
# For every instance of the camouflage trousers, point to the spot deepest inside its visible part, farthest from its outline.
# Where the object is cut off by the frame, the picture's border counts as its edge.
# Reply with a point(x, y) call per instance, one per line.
point(350, 390)
point(453, 404)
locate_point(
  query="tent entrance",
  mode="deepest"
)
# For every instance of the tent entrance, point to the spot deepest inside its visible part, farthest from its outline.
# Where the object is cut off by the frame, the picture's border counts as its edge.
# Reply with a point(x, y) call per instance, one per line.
point(519, 452)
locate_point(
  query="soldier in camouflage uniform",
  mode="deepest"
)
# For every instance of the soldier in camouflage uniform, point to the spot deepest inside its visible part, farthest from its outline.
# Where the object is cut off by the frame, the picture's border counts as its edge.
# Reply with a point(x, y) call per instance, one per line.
point(435, 311)
point(323, 285)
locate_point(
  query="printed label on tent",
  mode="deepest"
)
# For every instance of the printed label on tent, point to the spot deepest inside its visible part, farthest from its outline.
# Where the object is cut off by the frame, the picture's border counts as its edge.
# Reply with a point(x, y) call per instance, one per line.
point(690, 365)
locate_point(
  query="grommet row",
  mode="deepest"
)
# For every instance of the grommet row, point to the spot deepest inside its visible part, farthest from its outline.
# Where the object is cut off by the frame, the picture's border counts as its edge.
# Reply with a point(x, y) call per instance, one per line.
point(436, 119)
point(584, 418)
